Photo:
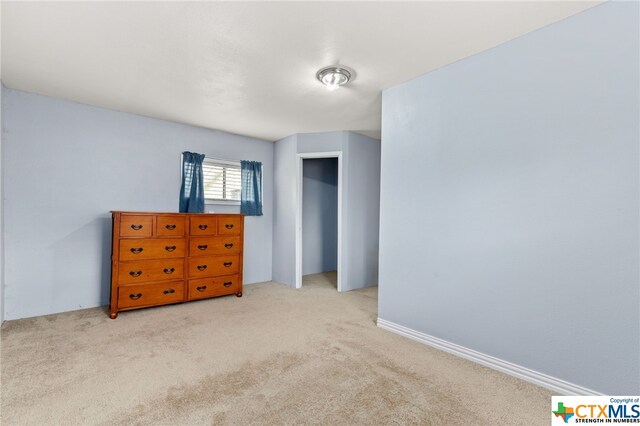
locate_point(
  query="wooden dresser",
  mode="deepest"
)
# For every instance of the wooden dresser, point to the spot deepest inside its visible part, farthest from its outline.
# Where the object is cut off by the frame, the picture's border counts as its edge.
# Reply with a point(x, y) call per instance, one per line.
point(162, 258)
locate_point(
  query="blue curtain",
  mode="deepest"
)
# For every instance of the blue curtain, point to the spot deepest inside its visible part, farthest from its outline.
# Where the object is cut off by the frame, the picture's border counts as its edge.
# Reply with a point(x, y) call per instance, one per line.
point(251, 193)
point(192, 189)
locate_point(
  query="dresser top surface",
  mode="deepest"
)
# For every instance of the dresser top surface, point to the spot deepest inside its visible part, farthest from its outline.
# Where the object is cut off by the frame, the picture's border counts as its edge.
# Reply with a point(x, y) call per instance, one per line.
point(174, 213)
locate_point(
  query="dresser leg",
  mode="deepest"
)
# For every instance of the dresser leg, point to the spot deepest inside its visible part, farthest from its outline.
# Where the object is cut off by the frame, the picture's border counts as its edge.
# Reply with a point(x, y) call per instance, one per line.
point(113, 315)
point(239, 294)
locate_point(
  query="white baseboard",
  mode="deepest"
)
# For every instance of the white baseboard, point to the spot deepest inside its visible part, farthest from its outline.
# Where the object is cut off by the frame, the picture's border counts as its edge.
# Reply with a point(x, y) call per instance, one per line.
point(557, 385)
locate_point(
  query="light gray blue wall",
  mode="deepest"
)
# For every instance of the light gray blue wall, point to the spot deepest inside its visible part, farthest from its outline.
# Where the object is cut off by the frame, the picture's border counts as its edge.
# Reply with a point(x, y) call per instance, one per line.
point(509, 204)
point(321, 142)
point(360, 204)
point(362, 207)
point(319, 215)
point(284, 218)
point(67, 165)
point(1, 208)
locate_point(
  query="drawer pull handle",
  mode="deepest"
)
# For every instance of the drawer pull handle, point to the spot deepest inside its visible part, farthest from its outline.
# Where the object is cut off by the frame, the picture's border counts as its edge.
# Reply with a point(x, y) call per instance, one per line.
point(201, 267)
point(227, 264)
point(201, 288)
point(202, 247)
point(135, 296)
point(136, 227)
point(168, 270)
point(229, 225)
point(135, 273)
point(203, 227)
point(136, 250)
point(227, 284)
point(170, 227)
point(229, 245)
point(170, 248)
point(170, 291)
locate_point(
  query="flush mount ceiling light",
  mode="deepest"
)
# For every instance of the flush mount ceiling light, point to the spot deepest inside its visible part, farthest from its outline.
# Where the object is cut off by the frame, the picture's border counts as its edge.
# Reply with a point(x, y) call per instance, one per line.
point(333, 77)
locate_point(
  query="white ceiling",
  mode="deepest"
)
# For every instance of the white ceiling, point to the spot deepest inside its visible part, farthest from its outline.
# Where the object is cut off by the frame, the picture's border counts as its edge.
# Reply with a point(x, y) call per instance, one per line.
point(249, 67)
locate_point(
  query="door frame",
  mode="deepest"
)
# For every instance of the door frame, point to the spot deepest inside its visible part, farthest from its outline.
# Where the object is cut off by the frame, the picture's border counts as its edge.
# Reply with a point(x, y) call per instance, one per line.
point(300, 178)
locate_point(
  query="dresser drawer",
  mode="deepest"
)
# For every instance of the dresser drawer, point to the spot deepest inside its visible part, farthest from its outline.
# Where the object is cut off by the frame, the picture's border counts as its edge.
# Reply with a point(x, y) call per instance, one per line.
point(150, 294)
point(150, 270)
point(203, 225)
point(202, 246)
point(214, 286)
point(229, 225)
point(140, 226)
point(152, 248)
point(213, 265)
point(170, 226)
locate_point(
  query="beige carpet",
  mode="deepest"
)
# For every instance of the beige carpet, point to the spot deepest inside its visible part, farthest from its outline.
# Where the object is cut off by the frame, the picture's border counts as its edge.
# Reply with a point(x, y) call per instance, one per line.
point(274, 356)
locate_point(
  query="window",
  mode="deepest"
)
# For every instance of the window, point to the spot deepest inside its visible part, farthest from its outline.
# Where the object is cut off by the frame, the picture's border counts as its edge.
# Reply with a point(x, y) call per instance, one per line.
point(221, 180)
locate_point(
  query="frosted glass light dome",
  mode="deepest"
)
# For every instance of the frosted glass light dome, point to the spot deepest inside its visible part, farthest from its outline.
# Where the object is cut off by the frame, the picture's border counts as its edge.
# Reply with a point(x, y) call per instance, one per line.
point(333, 77)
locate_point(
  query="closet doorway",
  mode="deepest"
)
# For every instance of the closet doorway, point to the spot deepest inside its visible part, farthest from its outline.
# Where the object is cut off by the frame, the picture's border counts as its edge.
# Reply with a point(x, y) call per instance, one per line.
point(319, 215)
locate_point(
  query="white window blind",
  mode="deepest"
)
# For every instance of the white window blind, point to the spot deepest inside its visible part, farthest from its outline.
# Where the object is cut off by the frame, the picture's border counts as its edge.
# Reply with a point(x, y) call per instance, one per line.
point(221, 180)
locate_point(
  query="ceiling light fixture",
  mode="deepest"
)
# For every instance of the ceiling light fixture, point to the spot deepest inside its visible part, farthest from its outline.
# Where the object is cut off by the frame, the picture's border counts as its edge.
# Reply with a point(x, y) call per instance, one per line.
point(333, 77)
